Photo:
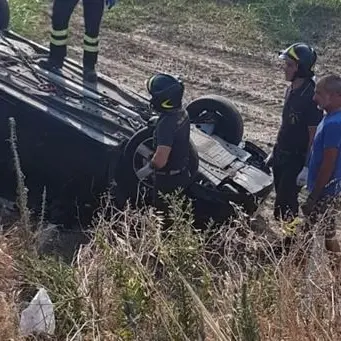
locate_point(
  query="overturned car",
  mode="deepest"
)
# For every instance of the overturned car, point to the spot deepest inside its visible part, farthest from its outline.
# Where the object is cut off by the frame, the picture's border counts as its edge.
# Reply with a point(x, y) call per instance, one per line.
point(79, 140)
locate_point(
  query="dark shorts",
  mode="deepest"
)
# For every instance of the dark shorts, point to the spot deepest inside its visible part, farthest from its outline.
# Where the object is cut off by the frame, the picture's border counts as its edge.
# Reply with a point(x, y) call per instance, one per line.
point(323, 216)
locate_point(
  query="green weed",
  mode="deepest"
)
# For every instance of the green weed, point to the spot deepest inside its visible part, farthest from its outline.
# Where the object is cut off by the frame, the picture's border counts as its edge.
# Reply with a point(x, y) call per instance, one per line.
point(27, 17)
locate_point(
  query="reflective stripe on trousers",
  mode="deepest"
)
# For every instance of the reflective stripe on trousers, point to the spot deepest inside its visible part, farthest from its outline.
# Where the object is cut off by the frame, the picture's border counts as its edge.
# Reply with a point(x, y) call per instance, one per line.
point(61, 14)
point(59, 37)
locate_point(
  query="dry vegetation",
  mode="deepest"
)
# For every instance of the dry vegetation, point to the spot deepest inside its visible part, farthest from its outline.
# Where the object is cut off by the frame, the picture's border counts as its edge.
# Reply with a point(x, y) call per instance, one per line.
point(142, 279)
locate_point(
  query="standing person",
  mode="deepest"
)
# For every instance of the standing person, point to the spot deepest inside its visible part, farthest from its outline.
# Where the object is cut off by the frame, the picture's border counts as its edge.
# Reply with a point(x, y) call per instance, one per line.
point(170, 162)
point(4, 15)
point(300, 117)
point(324, 175)
point(61, 14)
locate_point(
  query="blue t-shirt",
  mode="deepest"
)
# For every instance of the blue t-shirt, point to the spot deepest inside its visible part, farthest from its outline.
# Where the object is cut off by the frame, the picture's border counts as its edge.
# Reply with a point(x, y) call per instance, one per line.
point(328, 135)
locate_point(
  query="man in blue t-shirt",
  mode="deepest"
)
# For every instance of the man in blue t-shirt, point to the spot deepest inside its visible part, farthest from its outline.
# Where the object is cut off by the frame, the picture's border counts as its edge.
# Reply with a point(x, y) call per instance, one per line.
point(324, 175)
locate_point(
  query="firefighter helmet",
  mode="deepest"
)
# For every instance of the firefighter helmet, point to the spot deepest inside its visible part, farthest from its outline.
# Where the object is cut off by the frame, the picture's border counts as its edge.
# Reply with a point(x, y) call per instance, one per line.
point(166, 91)
point(305, 57)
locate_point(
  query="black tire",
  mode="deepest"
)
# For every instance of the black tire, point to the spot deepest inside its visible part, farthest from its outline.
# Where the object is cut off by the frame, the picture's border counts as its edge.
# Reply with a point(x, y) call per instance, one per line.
point(229, 123)
point(126, 176)
point(4, 15)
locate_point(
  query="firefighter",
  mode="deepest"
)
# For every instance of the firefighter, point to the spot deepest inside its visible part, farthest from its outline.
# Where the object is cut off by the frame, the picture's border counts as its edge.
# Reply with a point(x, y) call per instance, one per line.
point(170, 162)
point(300, 117)
point(4, 15)
point(61, 13)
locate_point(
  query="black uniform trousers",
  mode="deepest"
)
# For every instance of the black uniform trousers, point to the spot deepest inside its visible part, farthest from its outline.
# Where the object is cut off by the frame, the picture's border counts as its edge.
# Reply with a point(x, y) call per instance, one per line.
point(168, 184)
point(286, 167)
point(62, 11)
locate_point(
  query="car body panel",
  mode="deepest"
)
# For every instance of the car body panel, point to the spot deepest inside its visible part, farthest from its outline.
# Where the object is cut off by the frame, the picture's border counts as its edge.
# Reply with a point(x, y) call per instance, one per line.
point(69, 117)
point(223, 161)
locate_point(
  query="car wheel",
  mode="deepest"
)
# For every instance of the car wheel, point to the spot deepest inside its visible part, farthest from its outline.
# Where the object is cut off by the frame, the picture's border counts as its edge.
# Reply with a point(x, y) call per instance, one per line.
point(216, 115)
point(4, 15)
point(138, 151)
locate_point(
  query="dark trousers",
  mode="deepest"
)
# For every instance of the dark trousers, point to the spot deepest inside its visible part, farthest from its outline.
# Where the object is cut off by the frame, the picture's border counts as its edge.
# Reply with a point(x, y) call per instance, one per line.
point(286, 167)
point(61, 13)
point(168, 184)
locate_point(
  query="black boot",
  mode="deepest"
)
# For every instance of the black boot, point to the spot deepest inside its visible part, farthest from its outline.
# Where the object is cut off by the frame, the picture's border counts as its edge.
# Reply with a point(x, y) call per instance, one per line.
point(51, 65)
point(90, 75)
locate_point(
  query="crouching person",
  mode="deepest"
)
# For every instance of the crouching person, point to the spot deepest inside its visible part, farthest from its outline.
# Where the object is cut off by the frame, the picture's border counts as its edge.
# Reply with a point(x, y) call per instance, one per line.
point(170, 162)
point(324, 175)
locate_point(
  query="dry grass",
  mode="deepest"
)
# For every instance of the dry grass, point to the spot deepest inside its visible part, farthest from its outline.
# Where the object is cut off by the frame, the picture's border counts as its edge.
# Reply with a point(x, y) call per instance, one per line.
point(7, 279)
point(137, 280)
point(140, 278)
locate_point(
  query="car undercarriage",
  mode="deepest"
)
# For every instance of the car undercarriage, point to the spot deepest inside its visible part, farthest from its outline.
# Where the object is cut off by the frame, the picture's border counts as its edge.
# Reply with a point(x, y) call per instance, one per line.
point(78, 139)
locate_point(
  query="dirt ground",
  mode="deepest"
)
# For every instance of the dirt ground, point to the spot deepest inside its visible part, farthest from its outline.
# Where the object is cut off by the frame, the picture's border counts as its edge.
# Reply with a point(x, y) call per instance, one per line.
point(251, 78)
point(254, 85)
point(252, 81)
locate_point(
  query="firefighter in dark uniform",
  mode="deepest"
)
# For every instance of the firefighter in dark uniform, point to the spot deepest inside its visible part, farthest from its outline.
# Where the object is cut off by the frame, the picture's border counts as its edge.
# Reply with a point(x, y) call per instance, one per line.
point(300, 118)
point(170, 162)
point(61, 14)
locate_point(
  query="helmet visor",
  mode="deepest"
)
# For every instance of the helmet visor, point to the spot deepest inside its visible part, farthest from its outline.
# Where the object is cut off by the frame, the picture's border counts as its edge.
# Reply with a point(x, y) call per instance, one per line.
point(289, 53)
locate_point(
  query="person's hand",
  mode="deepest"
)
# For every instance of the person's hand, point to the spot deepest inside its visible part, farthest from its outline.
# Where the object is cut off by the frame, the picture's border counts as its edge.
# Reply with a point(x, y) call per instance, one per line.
point(308, 206)
point(145, 171)
point(110, 3)
point(302, 177)
point(152, 121)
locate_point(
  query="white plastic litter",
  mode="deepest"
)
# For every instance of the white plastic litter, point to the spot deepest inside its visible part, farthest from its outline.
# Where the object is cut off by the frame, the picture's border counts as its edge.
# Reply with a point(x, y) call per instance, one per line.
point(38, 316)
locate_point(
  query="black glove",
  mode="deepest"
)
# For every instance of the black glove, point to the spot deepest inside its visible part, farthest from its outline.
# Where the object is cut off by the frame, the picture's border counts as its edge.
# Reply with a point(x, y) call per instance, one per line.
point(110, 3)
point(152, 121)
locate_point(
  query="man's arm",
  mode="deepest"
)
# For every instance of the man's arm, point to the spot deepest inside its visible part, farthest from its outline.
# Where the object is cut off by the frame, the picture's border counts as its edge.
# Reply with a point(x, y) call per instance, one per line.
point(164, 137)
point(165, 131)
point(325, 172)
point(313, 117)
point(311, 131)
point(161, 156)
